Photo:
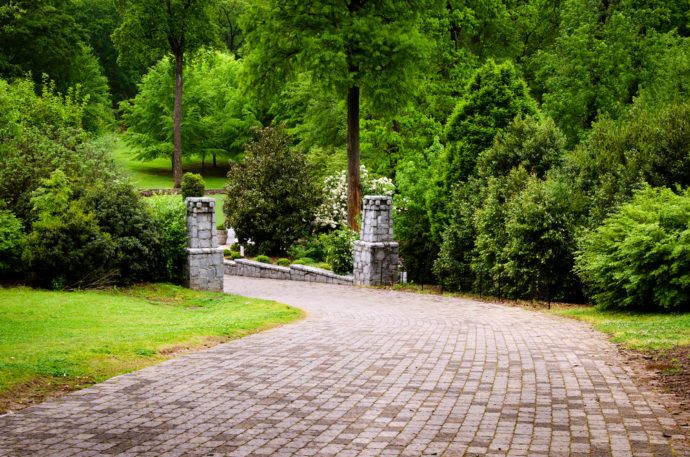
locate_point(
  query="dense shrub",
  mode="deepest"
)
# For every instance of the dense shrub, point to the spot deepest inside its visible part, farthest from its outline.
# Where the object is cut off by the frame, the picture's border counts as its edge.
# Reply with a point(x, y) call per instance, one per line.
point(93, 236)
point(168, 213)
point(493, 98)
point(640, 257)
point(139, 253)
point(283, 262)
point(535, 145)
point(338, 247)
point(193, 185)
point(310, 247)
point(272, 194)
point(412, 225)
point(263, 259)
point(66, 248)
point(648, 145)
point(452, 267)
point(39, 134)
point(540, 229)
point(12, 240)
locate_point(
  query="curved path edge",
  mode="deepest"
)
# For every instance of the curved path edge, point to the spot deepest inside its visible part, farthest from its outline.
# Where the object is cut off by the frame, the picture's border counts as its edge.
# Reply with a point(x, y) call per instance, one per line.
point(368, 372)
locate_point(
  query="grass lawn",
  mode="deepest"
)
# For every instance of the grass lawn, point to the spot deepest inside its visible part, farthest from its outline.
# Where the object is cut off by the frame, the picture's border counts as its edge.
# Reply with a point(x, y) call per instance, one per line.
point(220, 216)
point(638, 331)
point(157, 173)
point(61, 341)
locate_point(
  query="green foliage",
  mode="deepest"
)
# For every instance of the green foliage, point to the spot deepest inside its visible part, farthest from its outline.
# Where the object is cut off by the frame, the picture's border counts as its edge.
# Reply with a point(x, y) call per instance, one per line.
point(65, 247)
point(217, 115)
point(272, 194)
point(511, 233)
point(192, 185)
point(418, 249)
point(12, 241)
point(234, 255)
point(332, 212)
point(339, 249)
point(168, 214)
point(94, 235)
point(39, 37)
point(373, 45)
point(540, 230)
point(537, 146)
point(150, 29)
point(452, 267)
point(647, 145)
point(140, 252)
point(638, 258)
point(283, 262)
point(310, 247)
point(604, 53)
point(263, 259)
point(99, 19)
point(42, 133)
point(494, 97)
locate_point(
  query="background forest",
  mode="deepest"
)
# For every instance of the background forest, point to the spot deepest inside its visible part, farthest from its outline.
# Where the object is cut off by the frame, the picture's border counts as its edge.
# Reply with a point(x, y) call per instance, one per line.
point(536, 149)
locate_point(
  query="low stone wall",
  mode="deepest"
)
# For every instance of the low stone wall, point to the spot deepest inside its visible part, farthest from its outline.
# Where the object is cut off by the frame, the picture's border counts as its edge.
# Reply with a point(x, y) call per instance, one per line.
point(312, 274)
point(253, 269)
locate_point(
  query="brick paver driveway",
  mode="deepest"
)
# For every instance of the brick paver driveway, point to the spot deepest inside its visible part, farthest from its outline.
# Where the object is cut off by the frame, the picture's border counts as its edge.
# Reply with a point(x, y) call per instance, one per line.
point(369, 372)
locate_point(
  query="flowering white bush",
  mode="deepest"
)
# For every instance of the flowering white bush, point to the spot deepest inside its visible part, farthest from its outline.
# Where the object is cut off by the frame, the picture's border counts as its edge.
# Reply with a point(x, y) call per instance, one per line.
point(333, 211)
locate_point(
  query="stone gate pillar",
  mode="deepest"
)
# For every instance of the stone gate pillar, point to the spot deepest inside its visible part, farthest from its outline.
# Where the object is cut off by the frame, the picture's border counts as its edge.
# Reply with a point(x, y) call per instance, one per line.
point(376, 254)
point(204, 270)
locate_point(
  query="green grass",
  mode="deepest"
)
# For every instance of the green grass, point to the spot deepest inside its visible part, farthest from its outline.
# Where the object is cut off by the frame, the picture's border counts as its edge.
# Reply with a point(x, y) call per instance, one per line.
point(638, 331)
point(70, 339)
point(157, 173)
point(220, 216)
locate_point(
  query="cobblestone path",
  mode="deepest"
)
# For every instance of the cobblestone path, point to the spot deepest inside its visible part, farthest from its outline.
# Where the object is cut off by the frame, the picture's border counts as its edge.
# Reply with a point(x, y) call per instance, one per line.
point(369, 372)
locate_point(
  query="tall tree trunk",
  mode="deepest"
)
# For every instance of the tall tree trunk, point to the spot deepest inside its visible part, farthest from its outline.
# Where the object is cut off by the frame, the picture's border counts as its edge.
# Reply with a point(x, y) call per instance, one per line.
point(354, 189)
point(177, 120)
point(214, 160)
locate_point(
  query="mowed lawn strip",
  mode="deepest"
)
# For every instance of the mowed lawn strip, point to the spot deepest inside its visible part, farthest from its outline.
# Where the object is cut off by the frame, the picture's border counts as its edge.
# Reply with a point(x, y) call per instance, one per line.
point(157, 173)
point(639, 331)
point(60, 341)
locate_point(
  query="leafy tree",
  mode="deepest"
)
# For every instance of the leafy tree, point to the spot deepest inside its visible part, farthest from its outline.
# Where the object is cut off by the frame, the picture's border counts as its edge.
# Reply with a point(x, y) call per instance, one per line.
point(507, 207)
point(359, 47)
point(647, 145)
point(153, 28)
point(541, 225)
point(99, 19)
point(39, 134)
point(218, 116)
point(227, 19)
point(604, 53)
point(272, 196)
point(452, 267)
point(411, 220)
point(493, 98)
point(39, 37)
